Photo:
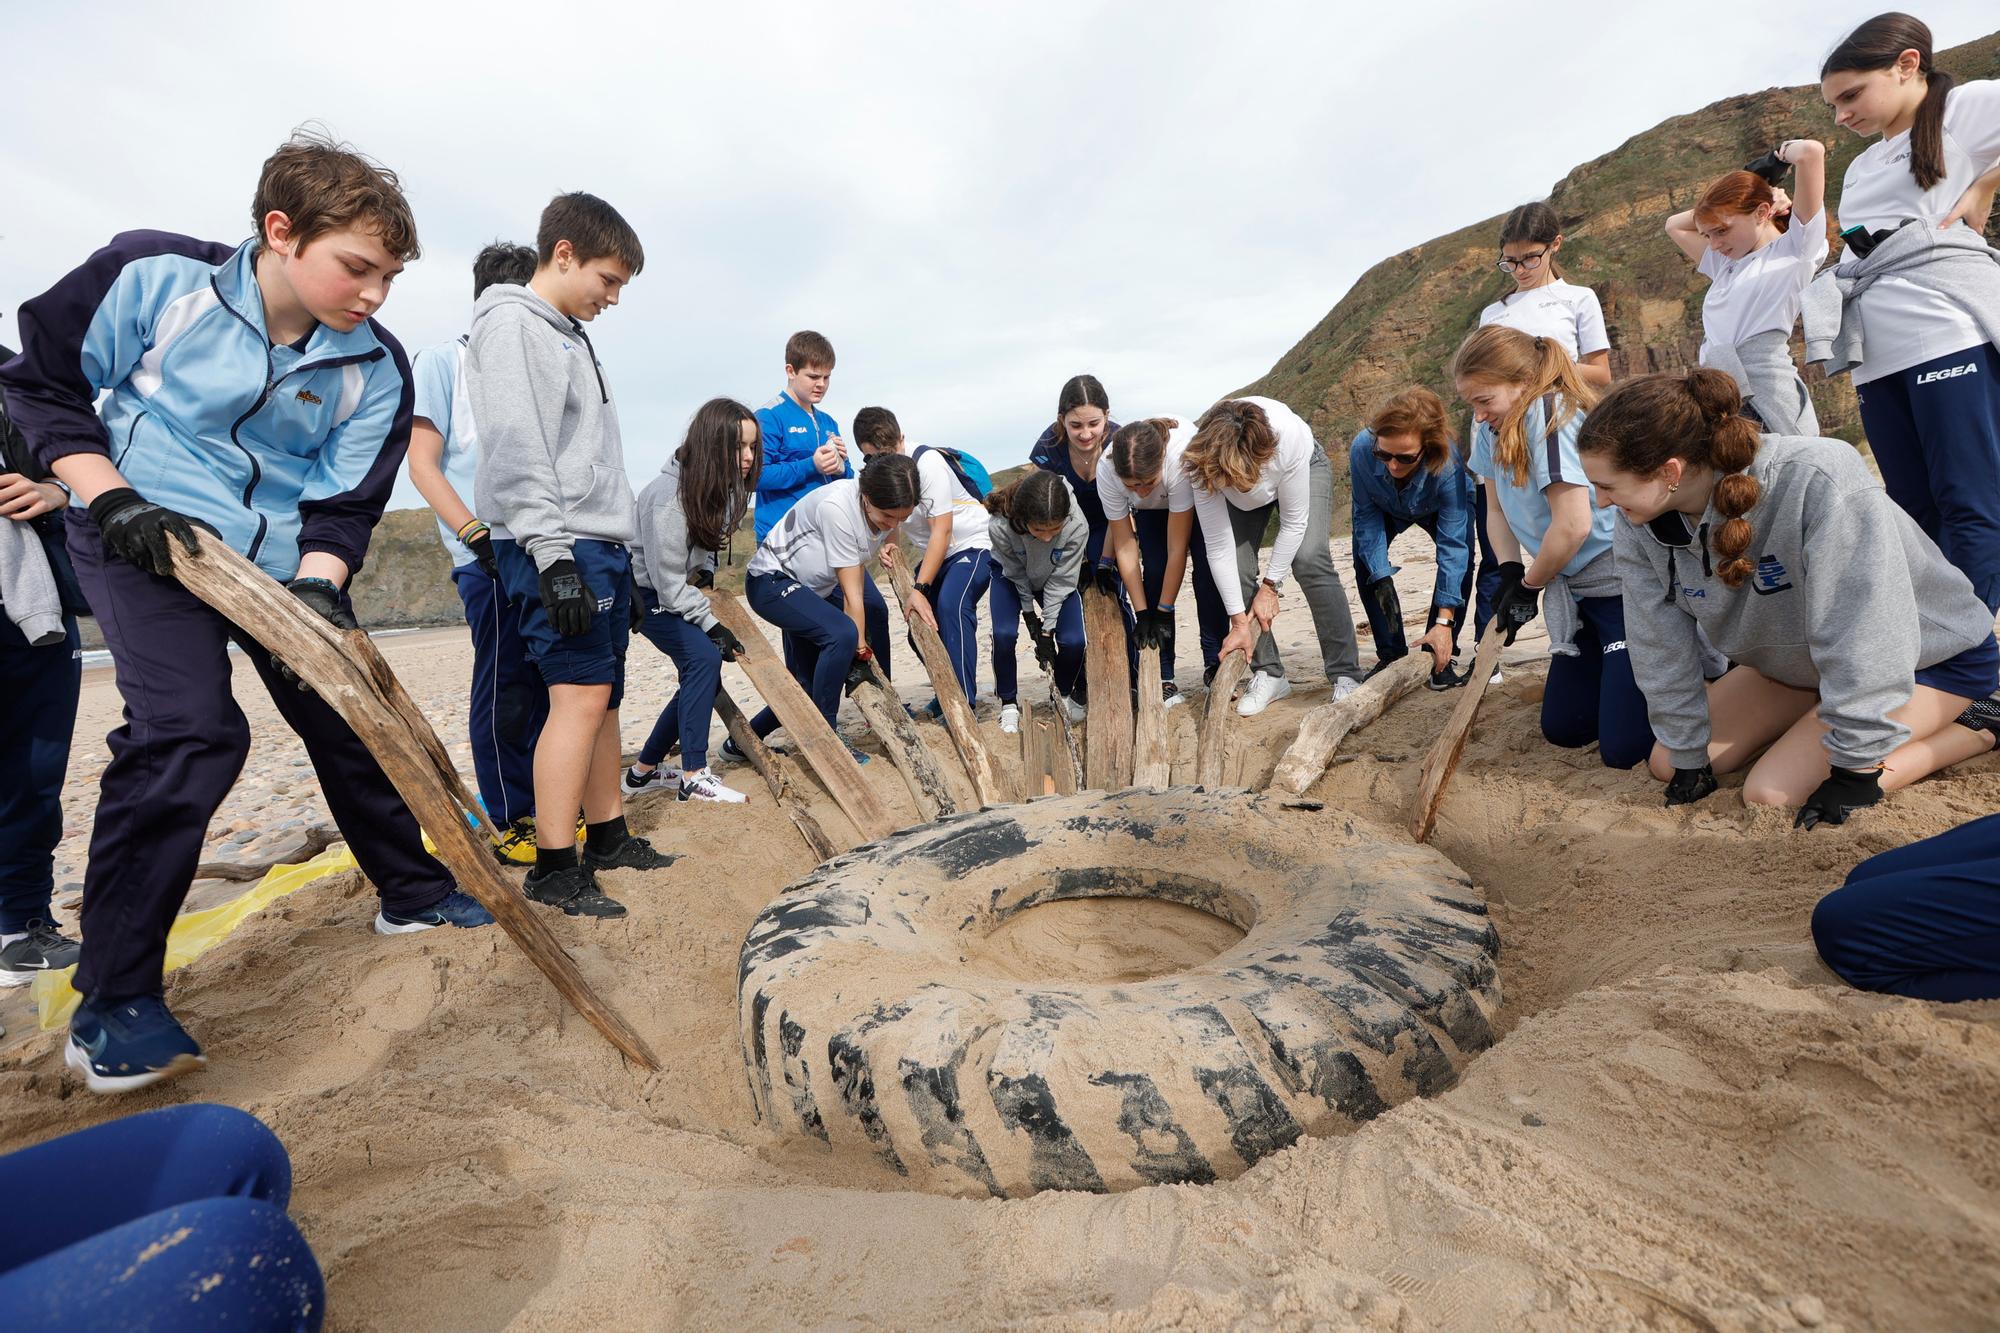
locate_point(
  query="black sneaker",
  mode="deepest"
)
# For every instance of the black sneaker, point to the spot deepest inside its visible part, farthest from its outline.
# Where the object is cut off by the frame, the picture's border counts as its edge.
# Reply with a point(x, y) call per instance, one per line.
point(635, 853)
point(657, 779)
point(574, 889)
point(1979, 715)
point(42, 949)
point(1450, 678)
point(732, 753)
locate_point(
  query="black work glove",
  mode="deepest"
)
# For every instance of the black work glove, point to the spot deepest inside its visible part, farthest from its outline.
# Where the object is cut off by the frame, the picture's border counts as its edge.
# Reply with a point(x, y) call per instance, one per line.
point(702, 578)
point(136, 529)
point(1383, 590)
point(1516, 605)
point(478, 539)
point(1689, 785)
point(1844, 792)
point(1770, 166)
point(324, 598)
point(1155, 629)
point(719, 635)
point(567, 602)
point(861, 671)
point(1108, 580)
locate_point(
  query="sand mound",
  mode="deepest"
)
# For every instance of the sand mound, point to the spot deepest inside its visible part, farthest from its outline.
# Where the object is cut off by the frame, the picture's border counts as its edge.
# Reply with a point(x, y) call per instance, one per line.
point(1687, 1124)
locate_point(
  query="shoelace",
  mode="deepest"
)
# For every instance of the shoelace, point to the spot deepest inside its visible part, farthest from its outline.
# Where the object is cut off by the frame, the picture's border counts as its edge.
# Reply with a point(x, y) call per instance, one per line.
point(45, 936)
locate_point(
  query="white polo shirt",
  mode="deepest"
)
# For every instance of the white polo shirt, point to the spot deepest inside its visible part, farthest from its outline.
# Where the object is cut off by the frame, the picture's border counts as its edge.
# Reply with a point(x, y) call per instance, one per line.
point(941, 494)
point(1175, 493)
point(1764, 289)
point(823, 533)
point(1560, 310)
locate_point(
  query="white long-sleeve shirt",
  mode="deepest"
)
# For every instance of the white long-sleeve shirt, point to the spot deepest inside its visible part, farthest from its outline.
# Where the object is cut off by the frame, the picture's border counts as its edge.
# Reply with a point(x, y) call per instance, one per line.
point(1286, 480)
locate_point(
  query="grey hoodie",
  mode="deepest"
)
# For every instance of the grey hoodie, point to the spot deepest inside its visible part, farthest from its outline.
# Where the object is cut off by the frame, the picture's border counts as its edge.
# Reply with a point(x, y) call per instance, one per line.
point(551, 466)
point(1764, 373)
point(1849, 599)
point(28, 591)
point(1956, 261)
point(1047, 570)
point(662, 560)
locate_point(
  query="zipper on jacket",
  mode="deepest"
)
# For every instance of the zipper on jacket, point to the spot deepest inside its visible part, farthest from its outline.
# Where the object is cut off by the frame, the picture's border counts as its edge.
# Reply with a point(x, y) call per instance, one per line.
point(1702, 537)
point(256, 470)
point(130, 433)
point(603, 394)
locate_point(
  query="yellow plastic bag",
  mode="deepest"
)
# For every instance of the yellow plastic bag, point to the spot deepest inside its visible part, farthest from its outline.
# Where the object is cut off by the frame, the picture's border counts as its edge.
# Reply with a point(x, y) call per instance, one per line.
point(195, 933)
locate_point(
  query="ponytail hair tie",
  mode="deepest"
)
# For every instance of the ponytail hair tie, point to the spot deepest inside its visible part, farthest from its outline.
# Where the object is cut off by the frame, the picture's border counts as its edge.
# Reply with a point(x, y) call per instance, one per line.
point(1541, 344)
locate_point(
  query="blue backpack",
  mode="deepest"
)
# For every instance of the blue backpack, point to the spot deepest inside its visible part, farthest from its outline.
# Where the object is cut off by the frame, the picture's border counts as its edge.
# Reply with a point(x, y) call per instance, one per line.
point(971, 473)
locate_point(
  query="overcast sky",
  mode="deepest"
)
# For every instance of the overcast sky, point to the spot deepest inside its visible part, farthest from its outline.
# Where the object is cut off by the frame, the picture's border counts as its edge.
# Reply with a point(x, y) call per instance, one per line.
point(972, 203)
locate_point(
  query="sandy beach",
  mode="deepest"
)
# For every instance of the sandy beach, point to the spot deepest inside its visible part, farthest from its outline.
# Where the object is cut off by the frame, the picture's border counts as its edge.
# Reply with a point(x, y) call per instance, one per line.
point(1687, 1123)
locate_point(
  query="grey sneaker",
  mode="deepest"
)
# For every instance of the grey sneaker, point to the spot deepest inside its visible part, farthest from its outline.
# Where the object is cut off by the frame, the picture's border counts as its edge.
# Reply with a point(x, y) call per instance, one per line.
point(42, 949)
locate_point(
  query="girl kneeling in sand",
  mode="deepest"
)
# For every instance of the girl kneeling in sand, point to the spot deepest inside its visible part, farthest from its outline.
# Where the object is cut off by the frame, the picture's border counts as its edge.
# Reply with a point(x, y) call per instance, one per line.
point(808, 575)
point(1856, 642)
point(1040, 551)
point(1528, 405)
point(1758, 249)
point(1149, 513)
point(1251, 458)
point(685, 515)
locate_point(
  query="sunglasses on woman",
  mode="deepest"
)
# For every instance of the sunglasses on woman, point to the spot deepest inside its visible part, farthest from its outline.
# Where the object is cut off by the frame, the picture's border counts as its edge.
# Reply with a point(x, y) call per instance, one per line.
point(1397, 460)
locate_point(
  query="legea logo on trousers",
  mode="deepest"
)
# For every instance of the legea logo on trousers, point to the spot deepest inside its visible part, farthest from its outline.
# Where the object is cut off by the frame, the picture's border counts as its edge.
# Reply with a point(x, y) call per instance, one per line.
point(1948, 373)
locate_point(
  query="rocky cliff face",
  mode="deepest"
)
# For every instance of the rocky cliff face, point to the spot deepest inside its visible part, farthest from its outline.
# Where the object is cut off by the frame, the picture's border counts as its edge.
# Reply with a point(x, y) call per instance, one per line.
point(1401, 323)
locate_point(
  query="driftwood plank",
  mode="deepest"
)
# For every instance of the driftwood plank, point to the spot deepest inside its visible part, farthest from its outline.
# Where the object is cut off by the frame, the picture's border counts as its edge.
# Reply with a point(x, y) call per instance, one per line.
point(1328, 725)
point(1442, 761)
point(1212, 758)
point(1107, 732)
point(824, 752)
point(883, 707)
point(1152, 761)
point(765, 761)
point(1036, 779)
point(408, 752)
point(958, 718)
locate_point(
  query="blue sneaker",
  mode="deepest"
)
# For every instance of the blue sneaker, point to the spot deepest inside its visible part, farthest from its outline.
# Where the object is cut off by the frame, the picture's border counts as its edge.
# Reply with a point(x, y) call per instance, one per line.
point(457, 908)
point(732, 753)
point(130, 1044)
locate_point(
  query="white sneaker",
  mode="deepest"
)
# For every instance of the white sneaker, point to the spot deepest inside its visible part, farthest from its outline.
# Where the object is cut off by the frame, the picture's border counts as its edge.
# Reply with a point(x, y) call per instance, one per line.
point(1264, 691)
point(632, 781)
point(1494, 679)
point(1010, 719)
point(1171, 696)
point(1073, 709)
point(702, 785)
point(1344, 686)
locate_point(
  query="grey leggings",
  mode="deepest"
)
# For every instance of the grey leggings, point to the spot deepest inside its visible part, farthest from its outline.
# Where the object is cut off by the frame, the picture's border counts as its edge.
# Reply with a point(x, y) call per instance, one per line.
point(1312, 569)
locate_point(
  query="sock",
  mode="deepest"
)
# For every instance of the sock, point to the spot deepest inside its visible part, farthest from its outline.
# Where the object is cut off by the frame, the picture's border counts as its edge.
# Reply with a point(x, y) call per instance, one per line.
point(548, 860)
point(7, 938)
point(606, 837)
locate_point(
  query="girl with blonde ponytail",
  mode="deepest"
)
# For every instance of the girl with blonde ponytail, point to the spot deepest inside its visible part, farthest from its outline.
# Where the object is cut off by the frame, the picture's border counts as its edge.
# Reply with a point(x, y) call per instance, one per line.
point(1528, 403)
point(1863, 660)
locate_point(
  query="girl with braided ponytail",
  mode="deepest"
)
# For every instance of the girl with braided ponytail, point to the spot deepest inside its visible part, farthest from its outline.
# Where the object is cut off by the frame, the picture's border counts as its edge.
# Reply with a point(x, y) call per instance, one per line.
point(1913, 308)
point(1528, 404)
point(1863, 660)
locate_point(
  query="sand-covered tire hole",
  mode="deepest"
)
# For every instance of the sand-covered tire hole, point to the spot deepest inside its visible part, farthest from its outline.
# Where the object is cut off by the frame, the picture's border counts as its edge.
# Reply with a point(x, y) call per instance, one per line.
point(878, 1018)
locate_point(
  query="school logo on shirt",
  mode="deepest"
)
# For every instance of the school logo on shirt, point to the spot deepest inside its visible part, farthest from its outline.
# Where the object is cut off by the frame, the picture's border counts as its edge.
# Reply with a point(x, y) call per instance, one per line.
point(1770, 577)
point(1948, 373)
point(308, 396)
point(798, 430)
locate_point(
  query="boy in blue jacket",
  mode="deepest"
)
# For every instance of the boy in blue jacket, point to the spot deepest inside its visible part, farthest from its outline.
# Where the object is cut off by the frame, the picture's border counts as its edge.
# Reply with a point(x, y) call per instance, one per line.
point(247, 390)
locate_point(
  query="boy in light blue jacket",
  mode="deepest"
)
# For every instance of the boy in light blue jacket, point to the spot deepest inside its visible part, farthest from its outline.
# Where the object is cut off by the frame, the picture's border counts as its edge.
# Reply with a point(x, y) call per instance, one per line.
point(248, 390)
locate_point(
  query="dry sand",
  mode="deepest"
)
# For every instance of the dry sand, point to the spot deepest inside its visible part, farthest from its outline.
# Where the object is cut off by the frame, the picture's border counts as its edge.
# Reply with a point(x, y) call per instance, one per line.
point(1688, 1123)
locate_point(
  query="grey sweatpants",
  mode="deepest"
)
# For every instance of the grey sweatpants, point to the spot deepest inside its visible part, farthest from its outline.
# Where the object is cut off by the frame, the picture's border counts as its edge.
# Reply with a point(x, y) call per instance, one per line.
point(1312, 570)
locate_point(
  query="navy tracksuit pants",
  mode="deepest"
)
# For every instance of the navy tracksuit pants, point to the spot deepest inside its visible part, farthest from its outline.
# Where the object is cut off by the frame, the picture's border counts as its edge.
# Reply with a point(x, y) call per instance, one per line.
point(170, 1219)
point(960, 585)
point(819, 638)
point(1921, 920)
point(684, 721)
point(177, 755)
point(509, 701)
point(1068, 629)
point(1935, 432)
point(1211, 618)
point(39, 687)
point(1593, 696)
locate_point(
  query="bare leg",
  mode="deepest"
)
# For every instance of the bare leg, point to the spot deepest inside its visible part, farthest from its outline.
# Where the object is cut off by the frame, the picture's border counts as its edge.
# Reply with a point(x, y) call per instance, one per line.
point(570, 743)
point(1747, 710)
point(601, 797)
point(1797, 763)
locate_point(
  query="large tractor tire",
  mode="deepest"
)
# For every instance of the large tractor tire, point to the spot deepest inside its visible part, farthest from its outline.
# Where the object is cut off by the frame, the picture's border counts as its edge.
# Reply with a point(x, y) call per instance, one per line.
point(1365, 975)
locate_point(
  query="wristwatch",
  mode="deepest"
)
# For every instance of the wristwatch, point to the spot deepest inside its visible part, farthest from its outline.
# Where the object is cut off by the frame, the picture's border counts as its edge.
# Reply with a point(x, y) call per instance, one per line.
point(924, 588)
point(1275, 585)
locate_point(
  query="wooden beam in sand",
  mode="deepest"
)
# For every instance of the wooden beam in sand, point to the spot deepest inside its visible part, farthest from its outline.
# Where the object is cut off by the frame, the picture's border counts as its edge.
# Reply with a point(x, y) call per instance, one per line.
point(958, 719)
point(1036, 777)
point(890, 721)
point(1107, 732)
point(345, 669)
point(1219, 721)
point(1442, 761)
point(1152, 761)
point(824, 752)
point(765, 760)
point(1328, 725)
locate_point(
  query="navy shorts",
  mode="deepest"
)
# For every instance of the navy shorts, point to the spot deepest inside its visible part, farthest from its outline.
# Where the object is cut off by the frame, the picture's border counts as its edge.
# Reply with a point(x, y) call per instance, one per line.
point(595, 657)
point(1972, 674)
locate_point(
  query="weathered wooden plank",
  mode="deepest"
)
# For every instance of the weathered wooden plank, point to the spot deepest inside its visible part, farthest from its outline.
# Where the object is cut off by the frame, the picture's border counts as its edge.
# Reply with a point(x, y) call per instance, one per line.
point(823, 750)
point(409, 752)
point(1211, 763)
point(1107, 731)
point(1442, 761)
point(765, 761)
point(958, 718)
point(1152, 762)
point(883, 707)
point(1328, 725)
